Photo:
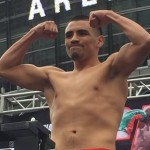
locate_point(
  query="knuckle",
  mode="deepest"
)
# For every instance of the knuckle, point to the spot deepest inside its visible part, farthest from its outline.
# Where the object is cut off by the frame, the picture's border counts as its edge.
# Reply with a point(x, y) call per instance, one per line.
point(47, 23)
point(51, 22)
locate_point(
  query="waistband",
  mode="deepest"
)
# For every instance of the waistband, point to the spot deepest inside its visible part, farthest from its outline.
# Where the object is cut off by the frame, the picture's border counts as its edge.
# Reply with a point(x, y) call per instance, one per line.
point(95, 149)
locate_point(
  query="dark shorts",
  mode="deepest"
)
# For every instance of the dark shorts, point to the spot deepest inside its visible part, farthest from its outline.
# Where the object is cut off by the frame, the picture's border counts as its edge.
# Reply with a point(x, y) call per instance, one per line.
point(95, 149)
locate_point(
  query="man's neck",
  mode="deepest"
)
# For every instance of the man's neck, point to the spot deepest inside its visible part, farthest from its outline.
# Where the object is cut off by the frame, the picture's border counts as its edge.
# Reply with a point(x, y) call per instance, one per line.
point(81, 65)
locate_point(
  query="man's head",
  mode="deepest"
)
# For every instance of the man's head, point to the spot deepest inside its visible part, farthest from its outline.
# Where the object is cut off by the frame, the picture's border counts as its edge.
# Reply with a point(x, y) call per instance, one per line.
point(86, 18)
point(81, 40)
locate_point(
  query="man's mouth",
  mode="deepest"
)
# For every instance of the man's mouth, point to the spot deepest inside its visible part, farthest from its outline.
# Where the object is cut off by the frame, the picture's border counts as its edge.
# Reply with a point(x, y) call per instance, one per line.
point(76, 46)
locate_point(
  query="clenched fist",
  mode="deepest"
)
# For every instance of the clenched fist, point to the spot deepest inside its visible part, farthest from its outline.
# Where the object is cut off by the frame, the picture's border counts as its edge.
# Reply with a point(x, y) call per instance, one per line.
point(47, 29)
point(99, 18)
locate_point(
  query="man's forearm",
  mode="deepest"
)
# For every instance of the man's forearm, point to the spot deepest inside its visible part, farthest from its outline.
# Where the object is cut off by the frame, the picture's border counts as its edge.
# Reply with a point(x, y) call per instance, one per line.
point(15, 54)
point(135, 33)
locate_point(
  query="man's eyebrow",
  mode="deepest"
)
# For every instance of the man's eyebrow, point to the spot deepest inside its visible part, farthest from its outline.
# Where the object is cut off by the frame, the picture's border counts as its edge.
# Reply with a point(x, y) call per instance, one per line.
point(78, 30)
point(68, 32)
point(82, 30)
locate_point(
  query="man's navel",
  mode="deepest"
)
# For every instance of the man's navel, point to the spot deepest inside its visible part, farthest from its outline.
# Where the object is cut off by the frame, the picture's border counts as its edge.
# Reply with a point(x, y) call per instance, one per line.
point(96, 88)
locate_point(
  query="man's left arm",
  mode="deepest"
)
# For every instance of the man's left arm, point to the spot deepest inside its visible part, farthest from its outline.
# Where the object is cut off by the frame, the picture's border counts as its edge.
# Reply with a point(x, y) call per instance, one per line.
point(132, 54)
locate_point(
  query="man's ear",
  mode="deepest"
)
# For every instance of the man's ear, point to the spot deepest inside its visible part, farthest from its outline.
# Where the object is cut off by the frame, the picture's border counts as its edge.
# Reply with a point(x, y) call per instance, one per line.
point(100, 41)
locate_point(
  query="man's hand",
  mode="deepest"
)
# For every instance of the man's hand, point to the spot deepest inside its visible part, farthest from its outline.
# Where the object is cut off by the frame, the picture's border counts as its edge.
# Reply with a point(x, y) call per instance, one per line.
point(99, 18)
point(47, 29)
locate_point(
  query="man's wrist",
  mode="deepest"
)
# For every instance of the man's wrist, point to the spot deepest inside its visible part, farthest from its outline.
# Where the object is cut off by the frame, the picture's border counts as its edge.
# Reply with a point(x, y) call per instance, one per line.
point(32, 34)
point(113, 16)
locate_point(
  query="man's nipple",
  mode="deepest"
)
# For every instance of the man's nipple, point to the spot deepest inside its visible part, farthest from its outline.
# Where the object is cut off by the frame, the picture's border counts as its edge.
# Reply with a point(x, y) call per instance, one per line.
point(74, 131)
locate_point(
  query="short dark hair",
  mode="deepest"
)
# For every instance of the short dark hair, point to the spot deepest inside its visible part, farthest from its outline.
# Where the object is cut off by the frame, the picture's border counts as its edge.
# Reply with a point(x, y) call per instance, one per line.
point(80, 17)
point(84, 17)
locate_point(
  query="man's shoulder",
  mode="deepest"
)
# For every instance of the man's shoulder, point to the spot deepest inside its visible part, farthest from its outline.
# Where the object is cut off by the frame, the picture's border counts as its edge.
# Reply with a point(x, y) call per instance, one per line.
point(109, 61)
point(112, 56)
point(51, 68)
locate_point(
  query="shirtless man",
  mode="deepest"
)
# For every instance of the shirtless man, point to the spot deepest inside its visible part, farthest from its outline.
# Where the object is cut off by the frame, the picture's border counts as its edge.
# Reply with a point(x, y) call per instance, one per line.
point(88, 102)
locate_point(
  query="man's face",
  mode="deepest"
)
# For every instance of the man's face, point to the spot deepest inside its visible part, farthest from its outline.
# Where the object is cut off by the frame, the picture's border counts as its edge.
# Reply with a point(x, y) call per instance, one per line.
point(81, 40)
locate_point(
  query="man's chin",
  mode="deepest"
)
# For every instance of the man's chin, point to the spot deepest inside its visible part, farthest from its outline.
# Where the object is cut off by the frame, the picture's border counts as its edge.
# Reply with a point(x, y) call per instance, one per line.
point(74, 56)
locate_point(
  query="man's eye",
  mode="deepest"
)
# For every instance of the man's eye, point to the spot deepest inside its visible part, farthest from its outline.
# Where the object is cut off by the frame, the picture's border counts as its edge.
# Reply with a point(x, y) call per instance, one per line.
point(68, 35)
point(83, 32)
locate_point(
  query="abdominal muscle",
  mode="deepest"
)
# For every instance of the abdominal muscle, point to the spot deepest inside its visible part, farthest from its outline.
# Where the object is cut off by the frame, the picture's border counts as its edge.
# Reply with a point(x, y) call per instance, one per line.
point(84, 126)
point(86, 113)
point(76, 139)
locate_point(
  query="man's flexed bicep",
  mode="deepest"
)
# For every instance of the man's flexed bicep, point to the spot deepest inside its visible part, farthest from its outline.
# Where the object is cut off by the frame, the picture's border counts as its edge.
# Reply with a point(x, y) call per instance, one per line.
point(27, 76)
point(132, 54)
point(11, 67)
point(15, 54)
point(129, 57)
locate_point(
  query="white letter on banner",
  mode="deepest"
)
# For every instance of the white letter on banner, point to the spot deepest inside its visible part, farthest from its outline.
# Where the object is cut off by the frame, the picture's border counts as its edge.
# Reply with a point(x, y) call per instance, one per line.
point(57, 5)
point(36, 7)
point(86, 3)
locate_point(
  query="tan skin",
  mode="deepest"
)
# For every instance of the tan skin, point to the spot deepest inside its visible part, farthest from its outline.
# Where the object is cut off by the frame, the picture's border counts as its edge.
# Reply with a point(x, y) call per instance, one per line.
point(86, 104)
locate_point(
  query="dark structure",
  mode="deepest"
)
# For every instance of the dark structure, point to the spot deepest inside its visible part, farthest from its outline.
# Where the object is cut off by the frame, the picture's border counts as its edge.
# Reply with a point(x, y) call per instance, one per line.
point(14, 23)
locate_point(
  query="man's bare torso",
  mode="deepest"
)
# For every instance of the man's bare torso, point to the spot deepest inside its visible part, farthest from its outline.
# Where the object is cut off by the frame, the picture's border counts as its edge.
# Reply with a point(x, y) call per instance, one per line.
point(87, 107)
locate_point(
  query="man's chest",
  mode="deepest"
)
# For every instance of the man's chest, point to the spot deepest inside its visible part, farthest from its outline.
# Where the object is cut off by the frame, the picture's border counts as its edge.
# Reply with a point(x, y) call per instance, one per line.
point(79, 81)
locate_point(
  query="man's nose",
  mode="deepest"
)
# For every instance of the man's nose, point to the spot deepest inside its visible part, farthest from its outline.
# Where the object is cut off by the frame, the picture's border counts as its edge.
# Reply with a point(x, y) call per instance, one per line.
point(75, 38)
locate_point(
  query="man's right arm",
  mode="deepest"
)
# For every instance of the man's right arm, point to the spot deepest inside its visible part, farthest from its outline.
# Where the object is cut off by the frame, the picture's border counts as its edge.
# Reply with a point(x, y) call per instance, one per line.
point(25, 75)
